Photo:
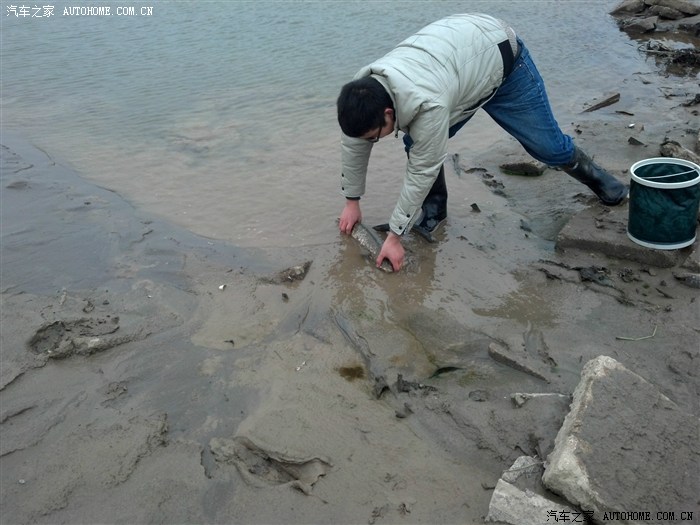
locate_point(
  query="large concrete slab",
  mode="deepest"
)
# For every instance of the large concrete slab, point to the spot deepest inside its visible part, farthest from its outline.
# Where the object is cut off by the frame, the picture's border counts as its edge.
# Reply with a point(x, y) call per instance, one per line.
point(625, 447)
point(513, 506)
point(603, 230)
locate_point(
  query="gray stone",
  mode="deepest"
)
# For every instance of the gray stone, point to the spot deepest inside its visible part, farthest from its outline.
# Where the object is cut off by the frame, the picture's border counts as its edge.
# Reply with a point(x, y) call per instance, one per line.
point(523, 466)
point(691, 23)
point(519, 360)
point(629, 7)
point(671, 148)
point(692, 263)
point(624, 446)
point(642, 25)
point(666, 12)
point(520, 398)
point(604, 230)
point(511, 505)
point(689, 7)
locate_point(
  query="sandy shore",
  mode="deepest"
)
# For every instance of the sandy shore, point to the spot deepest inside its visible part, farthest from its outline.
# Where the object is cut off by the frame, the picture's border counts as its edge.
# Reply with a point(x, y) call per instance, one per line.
point(152, 376)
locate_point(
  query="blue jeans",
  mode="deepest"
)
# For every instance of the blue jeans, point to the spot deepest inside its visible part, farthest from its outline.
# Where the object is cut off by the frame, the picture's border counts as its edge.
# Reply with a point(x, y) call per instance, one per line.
point(521, 107)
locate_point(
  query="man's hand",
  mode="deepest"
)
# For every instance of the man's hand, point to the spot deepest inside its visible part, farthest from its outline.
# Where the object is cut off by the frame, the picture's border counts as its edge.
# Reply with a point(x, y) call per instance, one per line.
point(392, 250)
point(350, 215)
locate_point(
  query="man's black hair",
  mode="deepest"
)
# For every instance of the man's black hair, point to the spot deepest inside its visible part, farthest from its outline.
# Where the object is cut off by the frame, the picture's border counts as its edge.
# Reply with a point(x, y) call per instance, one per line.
point(361, 106)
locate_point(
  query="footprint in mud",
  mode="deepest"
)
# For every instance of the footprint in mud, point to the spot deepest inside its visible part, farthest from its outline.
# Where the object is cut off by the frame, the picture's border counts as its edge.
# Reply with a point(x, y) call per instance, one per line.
point(260, 467)
point(85, 336)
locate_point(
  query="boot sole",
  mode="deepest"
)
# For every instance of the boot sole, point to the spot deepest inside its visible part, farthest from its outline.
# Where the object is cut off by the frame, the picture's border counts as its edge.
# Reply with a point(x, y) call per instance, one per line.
point(619, 200)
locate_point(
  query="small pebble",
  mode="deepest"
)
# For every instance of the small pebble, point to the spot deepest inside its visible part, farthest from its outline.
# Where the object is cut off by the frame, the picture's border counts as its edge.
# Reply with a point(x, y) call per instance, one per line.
point(404, 412)
point(479, 395)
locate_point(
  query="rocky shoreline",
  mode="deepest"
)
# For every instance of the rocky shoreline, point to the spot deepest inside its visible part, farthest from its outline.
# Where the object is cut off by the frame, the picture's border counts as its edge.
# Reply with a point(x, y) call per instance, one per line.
point(651, 20)
point(673, 17)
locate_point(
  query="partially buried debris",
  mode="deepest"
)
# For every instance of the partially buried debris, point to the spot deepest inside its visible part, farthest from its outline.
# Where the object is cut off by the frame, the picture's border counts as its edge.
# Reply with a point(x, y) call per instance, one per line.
point(525, 169)
point(289, 275)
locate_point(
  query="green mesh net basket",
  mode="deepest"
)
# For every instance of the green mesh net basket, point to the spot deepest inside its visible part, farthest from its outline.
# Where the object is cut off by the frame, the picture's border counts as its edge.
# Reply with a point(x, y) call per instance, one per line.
point(663, 203)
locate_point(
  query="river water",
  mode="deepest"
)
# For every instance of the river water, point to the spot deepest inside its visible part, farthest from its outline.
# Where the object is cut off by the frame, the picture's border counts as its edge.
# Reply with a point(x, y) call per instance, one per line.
point(220, 116)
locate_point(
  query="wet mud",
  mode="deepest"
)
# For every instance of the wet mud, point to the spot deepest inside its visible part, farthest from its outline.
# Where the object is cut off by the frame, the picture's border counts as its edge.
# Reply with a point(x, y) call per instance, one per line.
point(158, 376)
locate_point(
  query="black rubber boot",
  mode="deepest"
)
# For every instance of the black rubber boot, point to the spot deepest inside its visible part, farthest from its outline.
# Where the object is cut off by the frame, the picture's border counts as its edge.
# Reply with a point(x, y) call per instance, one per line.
point(609, 190)
point(434, 205)
point(434, 210)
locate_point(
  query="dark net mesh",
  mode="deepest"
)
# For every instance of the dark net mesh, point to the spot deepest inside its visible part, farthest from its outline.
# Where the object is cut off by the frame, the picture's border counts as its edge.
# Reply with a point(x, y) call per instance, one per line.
point(664, 216)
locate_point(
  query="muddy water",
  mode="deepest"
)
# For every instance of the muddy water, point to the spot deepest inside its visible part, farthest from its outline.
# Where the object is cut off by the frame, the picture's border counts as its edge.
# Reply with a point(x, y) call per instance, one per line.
point(220, 116)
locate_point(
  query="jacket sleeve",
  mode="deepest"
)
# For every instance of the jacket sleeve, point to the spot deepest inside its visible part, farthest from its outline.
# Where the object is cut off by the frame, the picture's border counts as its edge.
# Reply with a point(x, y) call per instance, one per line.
point(429, 132)
point(354, 160)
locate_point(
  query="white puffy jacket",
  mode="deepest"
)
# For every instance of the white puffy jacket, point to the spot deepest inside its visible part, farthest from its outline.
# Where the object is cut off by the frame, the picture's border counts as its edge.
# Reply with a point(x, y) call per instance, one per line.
point(436, 78)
